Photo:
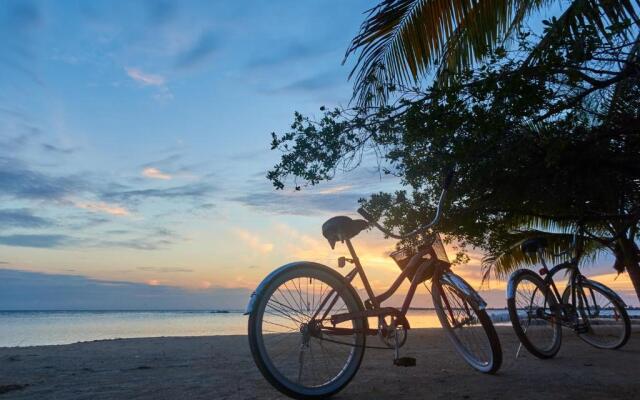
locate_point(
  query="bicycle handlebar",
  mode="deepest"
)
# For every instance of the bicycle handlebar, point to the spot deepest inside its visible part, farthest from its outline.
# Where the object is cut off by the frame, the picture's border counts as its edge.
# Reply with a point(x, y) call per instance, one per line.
point(365, 214)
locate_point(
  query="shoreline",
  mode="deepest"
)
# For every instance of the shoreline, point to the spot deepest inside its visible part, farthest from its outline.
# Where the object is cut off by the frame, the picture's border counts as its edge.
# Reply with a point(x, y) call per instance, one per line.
point(221, 367)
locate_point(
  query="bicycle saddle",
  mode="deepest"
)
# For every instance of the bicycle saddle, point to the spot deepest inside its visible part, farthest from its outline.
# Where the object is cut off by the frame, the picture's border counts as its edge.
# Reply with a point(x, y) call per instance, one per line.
point(533, 245)
point(342, 228)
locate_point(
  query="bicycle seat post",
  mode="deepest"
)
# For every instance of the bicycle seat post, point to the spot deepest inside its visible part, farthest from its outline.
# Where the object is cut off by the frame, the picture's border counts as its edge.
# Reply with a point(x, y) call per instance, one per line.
point(363, 276)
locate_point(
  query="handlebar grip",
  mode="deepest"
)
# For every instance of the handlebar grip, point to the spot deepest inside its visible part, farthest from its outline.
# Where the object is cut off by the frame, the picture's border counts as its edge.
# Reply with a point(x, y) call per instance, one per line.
point(366, 215)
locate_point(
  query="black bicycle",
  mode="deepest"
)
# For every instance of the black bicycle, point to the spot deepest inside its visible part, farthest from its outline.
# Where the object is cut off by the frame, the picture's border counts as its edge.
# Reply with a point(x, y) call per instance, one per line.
point(538, 311)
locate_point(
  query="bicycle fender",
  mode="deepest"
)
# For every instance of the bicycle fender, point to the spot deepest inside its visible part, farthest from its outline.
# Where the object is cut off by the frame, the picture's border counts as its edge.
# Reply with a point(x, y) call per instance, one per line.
point(605, 289)
point(511, 286)
point(465, 288)
point(280, 270)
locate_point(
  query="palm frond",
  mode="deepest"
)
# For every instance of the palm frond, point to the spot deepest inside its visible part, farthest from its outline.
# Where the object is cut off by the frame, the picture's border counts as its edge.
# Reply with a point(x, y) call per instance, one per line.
point(486, 26)
point(401, 39)
point(511, 257)
point(623, 88)
point(584, 13)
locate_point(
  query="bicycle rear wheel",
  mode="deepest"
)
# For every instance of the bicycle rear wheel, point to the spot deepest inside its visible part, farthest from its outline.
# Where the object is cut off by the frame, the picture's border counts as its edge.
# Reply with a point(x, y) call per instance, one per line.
point(299, 354)
point(605, 319)
point(469, 328)
point(532, 310)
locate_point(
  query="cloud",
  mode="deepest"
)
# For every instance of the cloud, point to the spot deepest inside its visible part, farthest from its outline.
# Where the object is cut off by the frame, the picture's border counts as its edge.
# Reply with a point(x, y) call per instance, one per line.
point(20, 182)
point(200, 52)
point(148, 239)
point(142, 243)
point(335, 189)
point(145, 79)
point(321, 83)
point(55, 149)
point(165, 270)
point(165, 162)
point(302, 203)
point(197, 190)
point(37, 241)
point(101, 207)
point(290, 54)
point(26, 290)
point(253, 241)
point(24, 15)
point(162, 12)
point(155, 173)
point(22, 218)
point(26, 132)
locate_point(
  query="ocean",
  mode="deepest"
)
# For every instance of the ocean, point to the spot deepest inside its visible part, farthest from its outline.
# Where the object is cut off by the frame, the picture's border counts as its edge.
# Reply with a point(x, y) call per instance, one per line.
point(35, 328)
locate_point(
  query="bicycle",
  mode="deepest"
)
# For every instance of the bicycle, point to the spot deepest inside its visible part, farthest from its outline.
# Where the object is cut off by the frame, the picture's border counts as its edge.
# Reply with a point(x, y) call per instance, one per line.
point(308, 326)
point(538, 311)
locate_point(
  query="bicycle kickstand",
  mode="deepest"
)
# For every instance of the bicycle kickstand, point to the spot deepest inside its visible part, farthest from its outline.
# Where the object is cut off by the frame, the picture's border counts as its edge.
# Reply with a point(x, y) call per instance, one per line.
point(401, 361)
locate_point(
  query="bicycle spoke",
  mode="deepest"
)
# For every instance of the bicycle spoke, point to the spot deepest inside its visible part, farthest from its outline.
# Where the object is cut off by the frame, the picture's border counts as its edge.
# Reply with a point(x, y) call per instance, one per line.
point(465, 325)
point(599, 316)
point(291, 332)
point(534, 312)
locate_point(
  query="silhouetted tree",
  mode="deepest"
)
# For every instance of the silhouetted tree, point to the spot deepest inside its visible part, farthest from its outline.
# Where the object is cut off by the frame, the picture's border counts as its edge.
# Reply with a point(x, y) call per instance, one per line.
point(537, 146)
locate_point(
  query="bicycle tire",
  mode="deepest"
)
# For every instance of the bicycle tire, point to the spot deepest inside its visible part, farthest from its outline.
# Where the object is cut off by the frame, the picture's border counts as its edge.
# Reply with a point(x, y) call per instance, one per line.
point(263, 359)
point(555, 342)
point(494, 355)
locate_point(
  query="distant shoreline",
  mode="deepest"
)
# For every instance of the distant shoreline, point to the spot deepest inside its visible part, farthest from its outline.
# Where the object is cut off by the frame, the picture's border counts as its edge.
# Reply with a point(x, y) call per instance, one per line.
point(219, 311)
point(128, 310)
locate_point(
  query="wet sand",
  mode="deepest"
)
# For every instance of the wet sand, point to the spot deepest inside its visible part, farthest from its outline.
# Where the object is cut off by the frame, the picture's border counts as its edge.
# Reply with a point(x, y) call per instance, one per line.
point(221, 367)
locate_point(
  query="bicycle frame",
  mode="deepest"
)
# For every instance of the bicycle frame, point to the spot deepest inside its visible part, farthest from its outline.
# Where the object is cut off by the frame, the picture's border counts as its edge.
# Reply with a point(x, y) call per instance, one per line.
point(575, 278)
point(417, 266)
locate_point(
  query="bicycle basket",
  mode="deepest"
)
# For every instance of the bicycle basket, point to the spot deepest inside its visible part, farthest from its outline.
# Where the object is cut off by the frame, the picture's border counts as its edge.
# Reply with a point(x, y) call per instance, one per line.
point(435, 255)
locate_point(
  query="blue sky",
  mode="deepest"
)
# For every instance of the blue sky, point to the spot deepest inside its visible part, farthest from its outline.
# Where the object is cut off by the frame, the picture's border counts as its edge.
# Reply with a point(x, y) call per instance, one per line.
point(134, 136)
point(134, 141)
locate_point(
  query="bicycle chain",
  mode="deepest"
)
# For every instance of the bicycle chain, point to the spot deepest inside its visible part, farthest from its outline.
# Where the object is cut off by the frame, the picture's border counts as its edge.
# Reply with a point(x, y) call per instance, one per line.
point(354, 345)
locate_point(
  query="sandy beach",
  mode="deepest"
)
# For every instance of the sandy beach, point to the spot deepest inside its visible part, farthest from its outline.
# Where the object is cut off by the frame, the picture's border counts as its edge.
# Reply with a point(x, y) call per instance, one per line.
point(221, 367)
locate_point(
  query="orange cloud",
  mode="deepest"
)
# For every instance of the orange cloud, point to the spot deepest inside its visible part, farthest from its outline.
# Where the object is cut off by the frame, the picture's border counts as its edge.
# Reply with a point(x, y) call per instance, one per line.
point(106, 208)
point(253, 241)
point(145, 78)
point(336, 189)
point(155, 173)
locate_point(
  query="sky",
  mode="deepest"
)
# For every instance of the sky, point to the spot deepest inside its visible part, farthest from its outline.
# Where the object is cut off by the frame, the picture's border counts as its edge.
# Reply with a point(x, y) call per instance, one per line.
point(134, 143)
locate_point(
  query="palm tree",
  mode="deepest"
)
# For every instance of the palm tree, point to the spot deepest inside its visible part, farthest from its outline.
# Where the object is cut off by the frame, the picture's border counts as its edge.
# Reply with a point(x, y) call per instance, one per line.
point(605, 236)
point(403, 41)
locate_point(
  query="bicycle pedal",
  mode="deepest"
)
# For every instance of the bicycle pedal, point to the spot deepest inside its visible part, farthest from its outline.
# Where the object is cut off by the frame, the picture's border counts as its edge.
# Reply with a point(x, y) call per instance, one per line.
point(405, 362)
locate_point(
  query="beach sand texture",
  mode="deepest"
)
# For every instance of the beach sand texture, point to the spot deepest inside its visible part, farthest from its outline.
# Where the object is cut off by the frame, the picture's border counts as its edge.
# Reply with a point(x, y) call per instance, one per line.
point(221, 367)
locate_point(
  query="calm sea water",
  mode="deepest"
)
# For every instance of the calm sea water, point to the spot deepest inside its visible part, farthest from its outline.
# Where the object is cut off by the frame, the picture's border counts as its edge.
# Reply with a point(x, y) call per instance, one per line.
point(32, 328)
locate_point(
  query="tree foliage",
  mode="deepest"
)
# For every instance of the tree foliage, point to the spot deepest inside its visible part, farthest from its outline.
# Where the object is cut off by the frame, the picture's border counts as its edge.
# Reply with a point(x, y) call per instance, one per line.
point(534, 144)
point(402, 41)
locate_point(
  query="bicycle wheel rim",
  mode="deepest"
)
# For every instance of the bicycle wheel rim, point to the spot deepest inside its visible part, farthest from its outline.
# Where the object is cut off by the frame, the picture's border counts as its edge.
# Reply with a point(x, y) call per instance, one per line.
point(466, 327)
point(277, 343)
point(606, 319)
point(532, 311)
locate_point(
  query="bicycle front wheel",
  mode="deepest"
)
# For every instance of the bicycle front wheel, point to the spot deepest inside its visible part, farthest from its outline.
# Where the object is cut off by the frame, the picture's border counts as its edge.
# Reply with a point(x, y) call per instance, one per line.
point(533, 313)
point(604, 319)
point(293, 342)
point(469, 328)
